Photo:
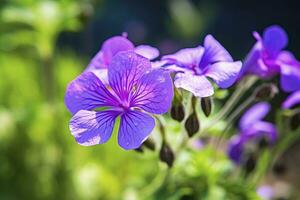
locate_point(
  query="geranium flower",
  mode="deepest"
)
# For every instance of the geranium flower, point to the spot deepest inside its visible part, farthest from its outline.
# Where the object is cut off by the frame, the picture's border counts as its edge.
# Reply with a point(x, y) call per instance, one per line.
point(195, 65)
point(134, 91)
point(267, 58)
point(262, 59)
point(266, 192)
point(110, 48)
point(251, 127)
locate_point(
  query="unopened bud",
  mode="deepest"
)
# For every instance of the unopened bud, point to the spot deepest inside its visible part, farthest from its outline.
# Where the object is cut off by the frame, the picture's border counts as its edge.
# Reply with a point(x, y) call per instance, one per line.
point(279, 169)
point(265, 92)
point(206, 105)
point(192, 124)
point(263, 143)
point(139, 150)
point(149, 144)
point(166, 155)
point(250, 164)
point(177, 112)
point(295, 121)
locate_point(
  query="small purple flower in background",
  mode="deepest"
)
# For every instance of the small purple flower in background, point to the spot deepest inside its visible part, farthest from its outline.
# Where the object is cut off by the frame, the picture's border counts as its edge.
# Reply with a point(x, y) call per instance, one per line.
point(265, 192)
point(110, 48)
point(195, 65)
point(134, 90)
point(251, 127)
point(292, 100)
point(267, 58)
point(262, 59)
point(197, 144)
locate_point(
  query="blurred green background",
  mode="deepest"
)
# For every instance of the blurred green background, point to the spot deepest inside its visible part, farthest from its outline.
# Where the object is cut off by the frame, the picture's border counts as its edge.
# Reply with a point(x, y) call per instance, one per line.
point(45, 44)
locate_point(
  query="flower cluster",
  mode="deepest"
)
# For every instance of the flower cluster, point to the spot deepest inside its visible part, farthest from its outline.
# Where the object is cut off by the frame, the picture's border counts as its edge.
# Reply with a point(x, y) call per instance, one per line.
point(122, 81)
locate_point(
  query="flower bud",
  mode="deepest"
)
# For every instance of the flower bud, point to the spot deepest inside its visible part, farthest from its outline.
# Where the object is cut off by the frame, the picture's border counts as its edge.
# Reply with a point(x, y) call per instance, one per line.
point(295, 121)
point(166, 154)
point(192, 124)
point(279, 169)
point(263, 143)
point(149, 144)
point(265, 92)
point(177, 112)
point(206, 105)
point(139, 150)
point(250, 164)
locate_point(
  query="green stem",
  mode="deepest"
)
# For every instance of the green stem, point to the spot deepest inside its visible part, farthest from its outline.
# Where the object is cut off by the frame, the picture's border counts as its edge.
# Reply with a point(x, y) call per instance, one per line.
point(161, 127)
point(238, 111)
point(232, 117)
point(190, 107)
point(231, 102)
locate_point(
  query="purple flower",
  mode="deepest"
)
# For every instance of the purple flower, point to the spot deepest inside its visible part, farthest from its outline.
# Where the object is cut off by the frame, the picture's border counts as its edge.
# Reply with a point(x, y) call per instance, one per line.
point(292, 100)
point(263, 60)
point(265, 192)
point(134, 89)
point(251, 127)
point(195, 65)
point(110, 48)
point(267, 58)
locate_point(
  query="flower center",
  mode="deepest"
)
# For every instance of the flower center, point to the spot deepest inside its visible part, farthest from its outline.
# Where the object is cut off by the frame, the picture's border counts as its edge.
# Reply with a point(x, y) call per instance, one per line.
point(196, 69)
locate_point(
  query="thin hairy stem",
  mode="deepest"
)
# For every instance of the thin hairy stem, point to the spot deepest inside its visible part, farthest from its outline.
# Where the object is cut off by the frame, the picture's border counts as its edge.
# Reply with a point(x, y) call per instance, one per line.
point(244, 85)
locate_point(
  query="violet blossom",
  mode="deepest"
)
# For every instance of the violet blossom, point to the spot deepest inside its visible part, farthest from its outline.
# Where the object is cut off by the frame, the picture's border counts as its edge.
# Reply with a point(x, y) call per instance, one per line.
point(266, 192)
point(134, 91)
point(251, 127)
point(267, 59)
point(193, 67)
point(110, 48)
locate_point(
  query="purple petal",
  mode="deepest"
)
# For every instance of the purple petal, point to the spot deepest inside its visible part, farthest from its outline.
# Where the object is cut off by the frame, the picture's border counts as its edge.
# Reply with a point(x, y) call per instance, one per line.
point(274, 39)
point(214, 52)
point(261, 128)
point(159, 64)
point(176, 68)
point(290, 78)
point(91, 127)
point(288, 58)
point(115, 45)
point(265, 192)
point(125, 70)
point(251, 66)
point(87, 92)
point(97, 61)
point(154, 92)
point(110, 48)
point(291, 100)
point(147, 51)
point(224, 73)
point(189, 57)
point(101, 73)
point(134, 129)
point(198, 85)
point(235, 149)
point(254, 114)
